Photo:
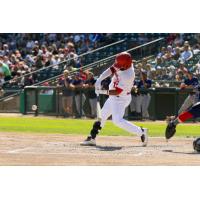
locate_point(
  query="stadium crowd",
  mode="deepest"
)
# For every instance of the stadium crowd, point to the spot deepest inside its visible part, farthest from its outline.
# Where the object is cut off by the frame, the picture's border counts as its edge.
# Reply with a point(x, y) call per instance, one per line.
point(21, 54)
point(174, 60)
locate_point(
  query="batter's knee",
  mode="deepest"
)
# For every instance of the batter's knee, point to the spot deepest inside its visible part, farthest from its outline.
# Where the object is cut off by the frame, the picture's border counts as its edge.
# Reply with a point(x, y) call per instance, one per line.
point(117, 121)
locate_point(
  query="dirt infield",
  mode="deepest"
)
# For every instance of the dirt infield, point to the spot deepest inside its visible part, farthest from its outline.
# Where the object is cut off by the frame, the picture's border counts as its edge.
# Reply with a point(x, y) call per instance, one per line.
point(59, 149)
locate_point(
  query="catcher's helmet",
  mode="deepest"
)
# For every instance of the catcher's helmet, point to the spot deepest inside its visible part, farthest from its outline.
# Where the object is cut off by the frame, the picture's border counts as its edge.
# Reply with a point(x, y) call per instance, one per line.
point(196, 144)
point(123, 61)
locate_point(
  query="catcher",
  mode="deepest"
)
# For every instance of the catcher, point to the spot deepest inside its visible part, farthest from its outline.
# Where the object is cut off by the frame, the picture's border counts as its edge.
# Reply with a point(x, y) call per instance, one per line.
point(191, 113)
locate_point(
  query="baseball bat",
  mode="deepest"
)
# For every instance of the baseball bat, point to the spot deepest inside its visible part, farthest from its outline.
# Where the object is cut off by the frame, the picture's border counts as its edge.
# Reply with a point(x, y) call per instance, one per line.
point(98, 108)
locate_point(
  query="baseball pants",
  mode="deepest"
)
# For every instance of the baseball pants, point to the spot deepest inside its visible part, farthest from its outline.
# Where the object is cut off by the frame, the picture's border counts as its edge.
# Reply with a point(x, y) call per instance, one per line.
point(116, 106)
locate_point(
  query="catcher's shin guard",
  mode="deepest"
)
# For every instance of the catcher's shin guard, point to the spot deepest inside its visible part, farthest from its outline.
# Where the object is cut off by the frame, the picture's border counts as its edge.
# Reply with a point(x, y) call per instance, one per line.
point(95, 129)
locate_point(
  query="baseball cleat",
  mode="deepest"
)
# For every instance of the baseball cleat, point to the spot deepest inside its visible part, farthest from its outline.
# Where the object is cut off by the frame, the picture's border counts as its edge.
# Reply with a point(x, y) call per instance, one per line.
point(88, 142)
point(144, 137)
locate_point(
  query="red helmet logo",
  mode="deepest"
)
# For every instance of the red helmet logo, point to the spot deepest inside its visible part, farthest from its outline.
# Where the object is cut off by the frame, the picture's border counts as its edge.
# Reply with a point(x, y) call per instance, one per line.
point(123, 60)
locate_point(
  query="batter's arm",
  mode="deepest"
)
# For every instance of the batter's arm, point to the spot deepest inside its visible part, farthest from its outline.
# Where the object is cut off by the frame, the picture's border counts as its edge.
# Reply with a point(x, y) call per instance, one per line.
point(103, 76)
point(108, 72)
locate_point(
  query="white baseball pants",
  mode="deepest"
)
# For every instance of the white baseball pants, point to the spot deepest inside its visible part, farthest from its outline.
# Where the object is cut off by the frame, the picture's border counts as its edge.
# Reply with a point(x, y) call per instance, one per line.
point(116, 106)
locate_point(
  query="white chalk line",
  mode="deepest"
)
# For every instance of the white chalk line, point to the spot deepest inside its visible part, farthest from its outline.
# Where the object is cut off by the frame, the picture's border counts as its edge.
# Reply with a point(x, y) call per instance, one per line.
point(19, 150)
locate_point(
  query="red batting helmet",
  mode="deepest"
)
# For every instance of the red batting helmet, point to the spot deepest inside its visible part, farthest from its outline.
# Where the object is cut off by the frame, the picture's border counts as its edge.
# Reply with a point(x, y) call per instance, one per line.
point(123, 60)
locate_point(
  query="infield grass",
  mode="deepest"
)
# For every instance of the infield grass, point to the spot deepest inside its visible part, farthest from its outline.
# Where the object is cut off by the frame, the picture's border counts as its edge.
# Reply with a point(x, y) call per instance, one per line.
point(82, 127)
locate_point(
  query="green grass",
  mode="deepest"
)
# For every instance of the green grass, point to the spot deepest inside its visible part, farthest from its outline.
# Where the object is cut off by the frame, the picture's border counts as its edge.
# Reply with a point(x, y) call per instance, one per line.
point(82, 127)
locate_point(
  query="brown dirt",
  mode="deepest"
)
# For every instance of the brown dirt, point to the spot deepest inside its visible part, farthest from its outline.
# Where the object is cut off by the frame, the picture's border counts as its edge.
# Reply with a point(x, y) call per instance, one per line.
point(58, 149)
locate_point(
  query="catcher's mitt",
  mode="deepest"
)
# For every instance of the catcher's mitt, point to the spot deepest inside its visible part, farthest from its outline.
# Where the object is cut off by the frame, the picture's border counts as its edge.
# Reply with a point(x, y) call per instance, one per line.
point(170, 130)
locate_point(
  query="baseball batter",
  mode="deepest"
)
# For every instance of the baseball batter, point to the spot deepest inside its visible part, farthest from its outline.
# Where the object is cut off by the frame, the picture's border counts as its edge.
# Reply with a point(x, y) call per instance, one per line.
point(123, 75)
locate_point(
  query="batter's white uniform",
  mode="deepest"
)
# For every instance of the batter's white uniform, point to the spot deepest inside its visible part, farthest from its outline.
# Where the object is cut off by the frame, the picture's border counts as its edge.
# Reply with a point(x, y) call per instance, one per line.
point(116, 105)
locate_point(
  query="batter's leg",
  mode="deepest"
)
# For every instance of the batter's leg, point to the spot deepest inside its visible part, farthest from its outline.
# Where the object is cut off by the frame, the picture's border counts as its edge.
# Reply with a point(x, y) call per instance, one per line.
point(98, 125)
point(118, 109)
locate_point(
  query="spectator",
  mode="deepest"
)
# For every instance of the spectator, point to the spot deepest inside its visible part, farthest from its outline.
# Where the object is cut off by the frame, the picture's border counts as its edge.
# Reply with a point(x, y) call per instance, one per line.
point(162, 52)
point(79, 96)
point(26, 79)
point(38, 62)
point(170, 38)
point(197, 70)
point(159, 62)
point(177, 54)
point(145, 99)
point(30, 44)
point(178, 41)
point(67, 91)
point(196, 49)
point(5, 71)
point(89, 84)
point(187, 54)
point(5, 51)
point(6, 61)
point(182, 67)
point(70, 47)
point(15, 71)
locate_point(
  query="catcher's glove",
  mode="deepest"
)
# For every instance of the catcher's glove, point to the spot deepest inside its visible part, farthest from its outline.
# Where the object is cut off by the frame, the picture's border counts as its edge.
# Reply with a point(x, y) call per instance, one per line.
point(170, 130)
